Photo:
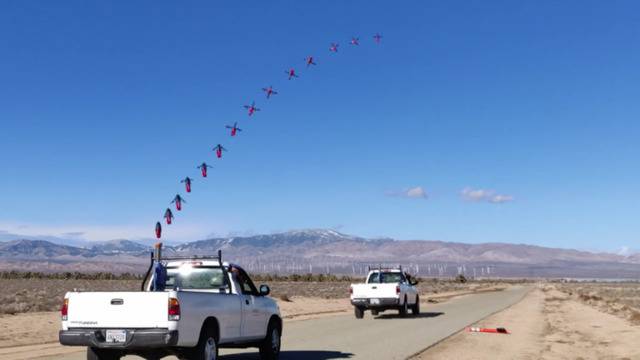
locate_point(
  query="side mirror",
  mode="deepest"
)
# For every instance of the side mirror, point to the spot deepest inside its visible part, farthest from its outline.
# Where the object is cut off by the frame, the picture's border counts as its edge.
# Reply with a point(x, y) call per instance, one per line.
point(264, 290)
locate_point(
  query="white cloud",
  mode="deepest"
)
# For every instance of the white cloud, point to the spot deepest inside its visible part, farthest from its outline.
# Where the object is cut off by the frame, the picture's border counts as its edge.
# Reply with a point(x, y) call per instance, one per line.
point(412, 193)
point(485, 195)
point(499, 199)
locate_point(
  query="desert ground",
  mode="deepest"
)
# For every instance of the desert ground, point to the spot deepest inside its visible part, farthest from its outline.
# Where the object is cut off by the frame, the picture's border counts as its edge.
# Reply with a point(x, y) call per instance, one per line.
point(552, 321)
point(556, 321)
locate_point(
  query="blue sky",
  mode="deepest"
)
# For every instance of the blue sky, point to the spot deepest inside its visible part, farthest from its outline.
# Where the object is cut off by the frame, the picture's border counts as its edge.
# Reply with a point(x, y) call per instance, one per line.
point(507, 121)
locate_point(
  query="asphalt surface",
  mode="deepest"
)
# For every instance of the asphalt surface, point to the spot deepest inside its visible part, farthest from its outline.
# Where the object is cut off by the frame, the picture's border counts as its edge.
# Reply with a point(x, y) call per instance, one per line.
point(384, 337)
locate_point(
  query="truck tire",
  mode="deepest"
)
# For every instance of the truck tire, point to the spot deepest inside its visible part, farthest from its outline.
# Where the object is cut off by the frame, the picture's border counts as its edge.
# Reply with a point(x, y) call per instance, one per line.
point(102, 354)
point(415, 309)
point(270, 347)
point(404, 308)
point(359, 312)
point(207, 348)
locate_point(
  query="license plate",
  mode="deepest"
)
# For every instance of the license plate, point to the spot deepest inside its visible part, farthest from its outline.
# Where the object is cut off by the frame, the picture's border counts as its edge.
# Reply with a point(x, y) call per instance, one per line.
point(116, 336)
point(375, 301)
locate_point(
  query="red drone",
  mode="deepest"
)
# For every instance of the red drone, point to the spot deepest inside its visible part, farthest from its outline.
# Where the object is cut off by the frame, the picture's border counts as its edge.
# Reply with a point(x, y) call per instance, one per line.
point(203, 167)
point(309, 61)
point(292, 73)
point(187, 183)
point(178, 200)
point(158, 230)
point(377, 38)
point(219, 149)
point(251, 108)
point(355, 41)
point(334, 47)
point(168, 215)
point(234, 128)
point(269, 91)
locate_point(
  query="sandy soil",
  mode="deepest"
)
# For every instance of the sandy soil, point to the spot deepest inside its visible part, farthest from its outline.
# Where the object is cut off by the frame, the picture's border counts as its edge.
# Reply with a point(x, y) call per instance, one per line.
point(546, 324)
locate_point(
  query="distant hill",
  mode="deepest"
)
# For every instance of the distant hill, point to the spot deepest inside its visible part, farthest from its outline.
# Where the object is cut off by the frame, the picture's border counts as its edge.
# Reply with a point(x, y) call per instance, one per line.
point(327, 250)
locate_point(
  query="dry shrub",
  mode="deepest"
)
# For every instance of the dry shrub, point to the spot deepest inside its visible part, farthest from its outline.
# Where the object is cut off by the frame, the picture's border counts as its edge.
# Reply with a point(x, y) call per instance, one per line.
point(285, 297)
point(635, 317)
point(587, 297)
point(556, 298)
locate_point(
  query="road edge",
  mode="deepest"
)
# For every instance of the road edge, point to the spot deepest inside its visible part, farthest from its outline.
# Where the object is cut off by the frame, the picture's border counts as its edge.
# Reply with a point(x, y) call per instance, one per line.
point(412, 356)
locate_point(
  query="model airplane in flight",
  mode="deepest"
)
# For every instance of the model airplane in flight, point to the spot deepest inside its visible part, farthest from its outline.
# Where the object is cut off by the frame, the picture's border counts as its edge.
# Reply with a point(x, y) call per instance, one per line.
point(187, 183)
point(234, 128)
point(292, 73)
point(219, 149)
point(178, 200)
point(269, 91)
point(251, 108)
point(158, 230)
point(203, 168)
point(309, 61)
point(168, 215)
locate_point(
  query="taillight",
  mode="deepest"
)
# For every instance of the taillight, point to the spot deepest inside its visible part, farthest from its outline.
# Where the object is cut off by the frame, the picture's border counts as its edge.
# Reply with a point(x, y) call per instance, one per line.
point(64, 311)
point(350, 290)
point(174, 309)
point(397, 289)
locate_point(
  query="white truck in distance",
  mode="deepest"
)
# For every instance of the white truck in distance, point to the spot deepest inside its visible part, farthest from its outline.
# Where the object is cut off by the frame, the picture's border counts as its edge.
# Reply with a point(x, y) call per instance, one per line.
point(386, 289)
point(204, 304)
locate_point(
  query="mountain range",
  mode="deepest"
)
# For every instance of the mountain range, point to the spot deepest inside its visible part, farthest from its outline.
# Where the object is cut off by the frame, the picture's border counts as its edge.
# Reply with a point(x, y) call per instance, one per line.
point(330, 251)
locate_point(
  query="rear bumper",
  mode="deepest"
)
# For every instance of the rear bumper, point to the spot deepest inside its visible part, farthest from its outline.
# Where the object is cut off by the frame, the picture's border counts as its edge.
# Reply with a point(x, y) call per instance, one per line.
point(136, 338)
point(383, 303)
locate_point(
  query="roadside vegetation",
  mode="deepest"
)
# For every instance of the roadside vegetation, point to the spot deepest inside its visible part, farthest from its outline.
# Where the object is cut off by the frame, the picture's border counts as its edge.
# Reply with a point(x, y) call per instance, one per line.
point(618, 298)
point(37, 291)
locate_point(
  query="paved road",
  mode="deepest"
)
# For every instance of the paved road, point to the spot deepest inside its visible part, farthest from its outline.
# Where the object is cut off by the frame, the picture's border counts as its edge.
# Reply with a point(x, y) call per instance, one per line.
point(384, 337)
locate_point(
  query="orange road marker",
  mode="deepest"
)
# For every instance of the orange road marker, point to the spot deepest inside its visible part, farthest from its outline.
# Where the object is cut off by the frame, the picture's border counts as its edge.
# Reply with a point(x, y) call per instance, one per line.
point(499, 330)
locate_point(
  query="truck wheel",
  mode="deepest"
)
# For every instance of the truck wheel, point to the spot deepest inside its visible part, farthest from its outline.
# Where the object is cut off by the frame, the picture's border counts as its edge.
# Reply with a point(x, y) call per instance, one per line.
point(102, 354)
point(270, 347)
point(207, 348)
point(415, 309)
point(404, 308)
point(359, 312)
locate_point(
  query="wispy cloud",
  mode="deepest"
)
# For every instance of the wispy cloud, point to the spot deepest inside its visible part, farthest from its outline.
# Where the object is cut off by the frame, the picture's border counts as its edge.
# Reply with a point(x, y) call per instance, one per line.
point(412, 193)
point(485, 195)
point(83, 233)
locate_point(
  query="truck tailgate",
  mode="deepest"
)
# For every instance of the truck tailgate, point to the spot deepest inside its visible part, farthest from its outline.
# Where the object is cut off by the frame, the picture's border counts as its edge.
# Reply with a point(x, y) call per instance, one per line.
point(118, 310)
point(362, 291)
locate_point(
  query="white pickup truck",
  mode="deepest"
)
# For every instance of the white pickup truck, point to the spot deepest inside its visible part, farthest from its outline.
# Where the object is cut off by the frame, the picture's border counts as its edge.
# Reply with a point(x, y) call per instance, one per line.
point(386, 289)
point(203, 305)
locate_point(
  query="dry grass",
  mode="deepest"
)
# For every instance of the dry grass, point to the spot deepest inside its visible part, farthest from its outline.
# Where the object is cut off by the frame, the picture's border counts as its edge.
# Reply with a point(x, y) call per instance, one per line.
point(621, 299)
point(35, 295)
point(32, 295)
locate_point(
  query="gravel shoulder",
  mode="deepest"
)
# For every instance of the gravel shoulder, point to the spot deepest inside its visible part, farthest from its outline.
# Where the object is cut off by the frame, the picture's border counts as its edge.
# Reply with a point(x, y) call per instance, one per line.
point(546, 324)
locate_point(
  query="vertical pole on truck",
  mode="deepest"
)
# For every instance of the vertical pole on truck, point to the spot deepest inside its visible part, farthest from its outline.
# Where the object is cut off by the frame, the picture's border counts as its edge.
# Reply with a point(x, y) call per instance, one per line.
point(146, 276)
point(158, 251)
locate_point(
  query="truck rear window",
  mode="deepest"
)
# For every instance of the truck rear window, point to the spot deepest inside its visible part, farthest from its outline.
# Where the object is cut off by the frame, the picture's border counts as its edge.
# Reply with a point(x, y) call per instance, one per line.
point(187, 277)
point(385, 278)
